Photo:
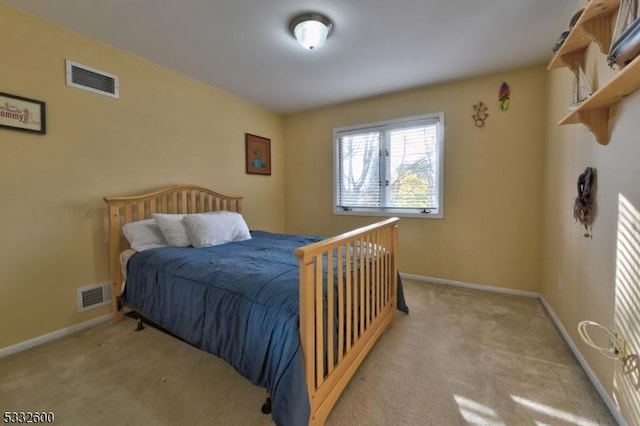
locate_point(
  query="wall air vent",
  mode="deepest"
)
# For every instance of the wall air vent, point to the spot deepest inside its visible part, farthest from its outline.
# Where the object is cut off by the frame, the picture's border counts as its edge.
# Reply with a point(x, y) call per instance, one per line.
point(93, 296)
point(93, 80)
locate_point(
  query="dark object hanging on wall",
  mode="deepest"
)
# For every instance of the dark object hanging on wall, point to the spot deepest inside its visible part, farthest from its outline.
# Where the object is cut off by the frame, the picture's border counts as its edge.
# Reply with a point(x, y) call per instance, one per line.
point(560, 41)
point(626, 47)
point(574, 18)
point(584, 204)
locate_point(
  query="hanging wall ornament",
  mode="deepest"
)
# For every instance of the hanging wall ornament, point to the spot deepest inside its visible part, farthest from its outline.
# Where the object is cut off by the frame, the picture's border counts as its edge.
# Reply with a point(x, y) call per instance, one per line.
point(480, 114)
point(503, 96)
point(584, 203)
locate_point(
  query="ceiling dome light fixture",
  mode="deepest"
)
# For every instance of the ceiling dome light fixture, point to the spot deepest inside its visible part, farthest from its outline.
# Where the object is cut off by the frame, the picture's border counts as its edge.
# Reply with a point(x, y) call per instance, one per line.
point(311, 29)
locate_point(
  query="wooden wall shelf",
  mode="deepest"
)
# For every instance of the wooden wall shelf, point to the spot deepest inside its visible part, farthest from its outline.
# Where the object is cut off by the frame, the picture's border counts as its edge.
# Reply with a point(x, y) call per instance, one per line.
point(595, 24)
point(594, 111)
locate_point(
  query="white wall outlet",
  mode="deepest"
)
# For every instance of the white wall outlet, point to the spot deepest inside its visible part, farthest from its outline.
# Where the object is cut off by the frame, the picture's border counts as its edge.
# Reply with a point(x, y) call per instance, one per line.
point(559, 283)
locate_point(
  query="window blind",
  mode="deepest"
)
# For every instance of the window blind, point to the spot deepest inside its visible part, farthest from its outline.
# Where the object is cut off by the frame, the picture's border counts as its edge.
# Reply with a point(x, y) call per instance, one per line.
point(391, 166)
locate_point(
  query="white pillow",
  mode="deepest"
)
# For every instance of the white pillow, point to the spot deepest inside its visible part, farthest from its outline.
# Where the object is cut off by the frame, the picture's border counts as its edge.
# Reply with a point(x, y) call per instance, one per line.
point(144, 235)
point(173, 229)
point(211, 229)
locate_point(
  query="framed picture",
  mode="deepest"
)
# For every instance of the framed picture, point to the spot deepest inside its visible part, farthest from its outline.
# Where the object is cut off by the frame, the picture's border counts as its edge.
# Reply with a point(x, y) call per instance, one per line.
point(20, 113)
point(257, 155)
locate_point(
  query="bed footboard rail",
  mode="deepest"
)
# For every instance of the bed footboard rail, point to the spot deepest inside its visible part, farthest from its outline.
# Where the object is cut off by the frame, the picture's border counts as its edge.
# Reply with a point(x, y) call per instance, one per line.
point(348, 296)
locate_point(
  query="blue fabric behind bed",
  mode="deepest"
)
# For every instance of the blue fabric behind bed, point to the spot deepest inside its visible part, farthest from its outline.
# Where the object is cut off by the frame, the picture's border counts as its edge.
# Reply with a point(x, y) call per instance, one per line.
point(238, 301)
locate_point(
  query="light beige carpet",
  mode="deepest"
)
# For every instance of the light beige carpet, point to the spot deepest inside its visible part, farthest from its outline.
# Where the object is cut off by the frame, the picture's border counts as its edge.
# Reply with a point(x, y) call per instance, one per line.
point(461, 357)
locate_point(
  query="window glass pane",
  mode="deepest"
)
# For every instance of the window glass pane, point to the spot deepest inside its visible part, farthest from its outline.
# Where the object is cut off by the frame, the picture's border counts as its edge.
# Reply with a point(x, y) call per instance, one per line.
point(390, 167)
point(413, 168)
point(358, 158)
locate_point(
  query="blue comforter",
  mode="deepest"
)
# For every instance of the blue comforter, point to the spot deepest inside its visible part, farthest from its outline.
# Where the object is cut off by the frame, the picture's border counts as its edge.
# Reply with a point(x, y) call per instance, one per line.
point(238, 301)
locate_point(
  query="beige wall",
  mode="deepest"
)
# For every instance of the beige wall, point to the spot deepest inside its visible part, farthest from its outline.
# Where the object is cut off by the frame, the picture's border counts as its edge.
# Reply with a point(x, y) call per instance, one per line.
point(165, 129)
point(490, 233)
point(508, 187)
point(600, 275)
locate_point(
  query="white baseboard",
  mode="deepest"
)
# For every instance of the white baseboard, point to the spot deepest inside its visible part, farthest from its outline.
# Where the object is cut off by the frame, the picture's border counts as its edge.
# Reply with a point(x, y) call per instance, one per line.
point(608, 400)
point(23, 346)
point(470, 285)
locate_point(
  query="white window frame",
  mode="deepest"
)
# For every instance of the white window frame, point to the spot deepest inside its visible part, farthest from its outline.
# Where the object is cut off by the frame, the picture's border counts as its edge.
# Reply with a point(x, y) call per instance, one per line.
point(387, 211)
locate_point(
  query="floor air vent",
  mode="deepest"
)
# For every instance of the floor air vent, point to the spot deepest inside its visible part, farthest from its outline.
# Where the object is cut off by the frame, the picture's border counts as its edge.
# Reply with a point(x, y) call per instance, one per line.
point(93, 296)
point(93, 80)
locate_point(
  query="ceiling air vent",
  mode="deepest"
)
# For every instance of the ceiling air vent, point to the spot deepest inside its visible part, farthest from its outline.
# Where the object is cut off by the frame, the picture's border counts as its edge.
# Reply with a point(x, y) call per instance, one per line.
point(91, 79)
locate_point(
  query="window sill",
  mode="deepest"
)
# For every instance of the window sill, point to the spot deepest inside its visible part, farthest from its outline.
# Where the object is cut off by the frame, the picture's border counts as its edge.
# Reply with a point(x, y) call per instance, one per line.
point(438, 215)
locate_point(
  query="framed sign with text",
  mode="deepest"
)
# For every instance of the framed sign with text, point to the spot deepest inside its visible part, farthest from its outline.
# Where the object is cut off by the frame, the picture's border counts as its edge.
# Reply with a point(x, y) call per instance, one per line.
point(20, 113)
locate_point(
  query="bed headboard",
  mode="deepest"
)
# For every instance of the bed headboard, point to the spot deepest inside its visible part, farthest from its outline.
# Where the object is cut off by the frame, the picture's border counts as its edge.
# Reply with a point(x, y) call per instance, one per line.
point(174, 199)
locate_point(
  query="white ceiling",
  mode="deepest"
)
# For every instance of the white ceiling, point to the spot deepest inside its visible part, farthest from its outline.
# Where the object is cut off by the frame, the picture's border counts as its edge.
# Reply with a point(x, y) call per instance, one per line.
point(377, 46)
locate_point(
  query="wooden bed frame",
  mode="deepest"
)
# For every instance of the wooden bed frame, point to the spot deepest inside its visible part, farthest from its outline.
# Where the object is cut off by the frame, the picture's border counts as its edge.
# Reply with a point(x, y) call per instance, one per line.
point(365, 294)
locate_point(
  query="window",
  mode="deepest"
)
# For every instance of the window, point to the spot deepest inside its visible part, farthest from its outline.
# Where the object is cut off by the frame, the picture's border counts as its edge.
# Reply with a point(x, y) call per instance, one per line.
point(390, 168)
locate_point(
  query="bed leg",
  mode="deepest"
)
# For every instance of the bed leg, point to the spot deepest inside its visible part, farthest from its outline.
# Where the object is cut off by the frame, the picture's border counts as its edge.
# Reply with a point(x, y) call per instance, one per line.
point(266, 407)
point(139, 327)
